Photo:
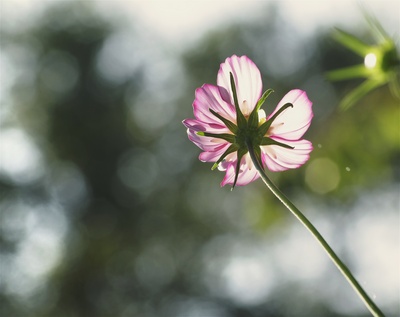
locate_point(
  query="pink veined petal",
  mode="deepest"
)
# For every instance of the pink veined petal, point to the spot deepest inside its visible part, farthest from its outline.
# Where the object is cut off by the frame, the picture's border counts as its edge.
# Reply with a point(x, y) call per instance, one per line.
point(247, 79)
point(213, 156)
point(208, 97)
point(292, 123)
point(230, 174)
point(197, 125)
point(247, 172)
point(278, 158)
point(247, 176)
point(207, 144)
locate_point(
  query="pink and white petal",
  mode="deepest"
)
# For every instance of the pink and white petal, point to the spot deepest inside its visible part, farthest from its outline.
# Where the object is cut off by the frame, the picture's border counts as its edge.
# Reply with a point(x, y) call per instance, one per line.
point(213, 156)
point(292, 123)
point(247, 173)
point(230, 173)
point(277, 158)
point(194, 125)
point(247, 80)
point(197, 125)
point(205, 143)
point(208, 97)
point(229, 160)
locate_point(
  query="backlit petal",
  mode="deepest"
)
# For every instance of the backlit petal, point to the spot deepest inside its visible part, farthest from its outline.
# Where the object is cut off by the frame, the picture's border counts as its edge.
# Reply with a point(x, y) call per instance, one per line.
point(292, 123)
point(205, 143)
point(208, 97)
point(247, 79)
point(247, 172)
point(214, 155)
point(197, 125)
point(277, 158)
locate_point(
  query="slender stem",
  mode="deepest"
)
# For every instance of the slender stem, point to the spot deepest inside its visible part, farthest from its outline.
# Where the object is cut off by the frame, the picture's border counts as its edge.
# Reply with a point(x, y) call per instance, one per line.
point(375, 311)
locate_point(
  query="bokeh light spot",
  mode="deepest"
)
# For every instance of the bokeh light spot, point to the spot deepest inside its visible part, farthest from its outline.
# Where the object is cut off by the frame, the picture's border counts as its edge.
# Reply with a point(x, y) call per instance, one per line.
point(322, 175)
point(67, 184)
point(138, 169)
point(119, 58)
point(247, 279)
point(20, 159)
point(59, 73)
point(155, 267)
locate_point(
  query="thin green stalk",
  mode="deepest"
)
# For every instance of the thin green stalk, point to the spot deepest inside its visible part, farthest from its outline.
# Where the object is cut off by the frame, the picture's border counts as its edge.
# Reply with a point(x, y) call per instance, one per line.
point(375, 311)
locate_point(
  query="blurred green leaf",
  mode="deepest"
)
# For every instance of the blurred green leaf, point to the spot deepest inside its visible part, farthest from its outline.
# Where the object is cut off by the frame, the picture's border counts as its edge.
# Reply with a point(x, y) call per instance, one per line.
point(376, 28)
point(351, 42)
point(394, 86)
point(357, 71)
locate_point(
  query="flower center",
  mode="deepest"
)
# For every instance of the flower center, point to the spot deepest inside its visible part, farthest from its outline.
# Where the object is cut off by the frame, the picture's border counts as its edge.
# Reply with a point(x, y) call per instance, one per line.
point(248, 133)
point(245, 108)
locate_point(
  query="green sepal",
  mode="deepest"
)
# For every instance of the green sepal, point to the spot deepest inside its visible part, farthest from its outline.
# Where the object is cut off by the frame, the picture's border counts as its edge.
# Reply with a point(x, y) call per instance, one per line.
point(229, 150)
point(230, 125)
point(263, 98)
point(253, 119)
point(240, 153)
point(269, 141)
point(240, 118)
point(257, 152)
point(263, 129)
point(225, 136)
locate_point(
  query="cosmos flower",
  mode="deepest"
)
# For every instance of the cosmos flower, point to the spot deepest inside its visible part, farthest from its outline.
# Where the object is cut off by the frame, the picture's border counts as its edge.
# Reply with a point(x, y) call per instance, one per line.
point(228, 120)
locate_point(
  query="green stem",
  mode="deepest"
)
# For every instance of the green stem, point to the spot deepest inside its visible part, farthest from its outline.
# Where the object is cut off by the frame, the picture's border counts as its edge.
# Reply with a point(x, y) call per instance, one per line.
point(375, 311)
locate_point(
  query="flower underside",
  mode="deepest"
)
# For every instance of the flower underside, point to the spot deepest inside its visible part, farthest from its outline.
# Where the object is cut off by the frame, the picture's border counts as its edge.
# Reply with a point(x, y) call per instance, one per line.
point(229, 122)
point(247, 132)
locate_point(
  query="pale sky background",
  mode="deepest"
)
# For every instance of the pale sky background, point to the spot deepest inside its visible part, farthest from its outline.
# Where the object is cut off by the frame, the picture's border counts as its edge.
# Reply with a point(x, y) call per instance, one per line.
point(184, 21)
point(176, 19)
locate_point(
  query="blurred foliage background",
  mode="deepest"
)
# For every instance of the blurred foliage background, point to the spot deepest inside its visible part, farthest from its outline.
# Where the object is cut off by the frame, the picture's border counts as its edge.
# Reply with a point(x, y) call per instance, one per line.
point(105, 209)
